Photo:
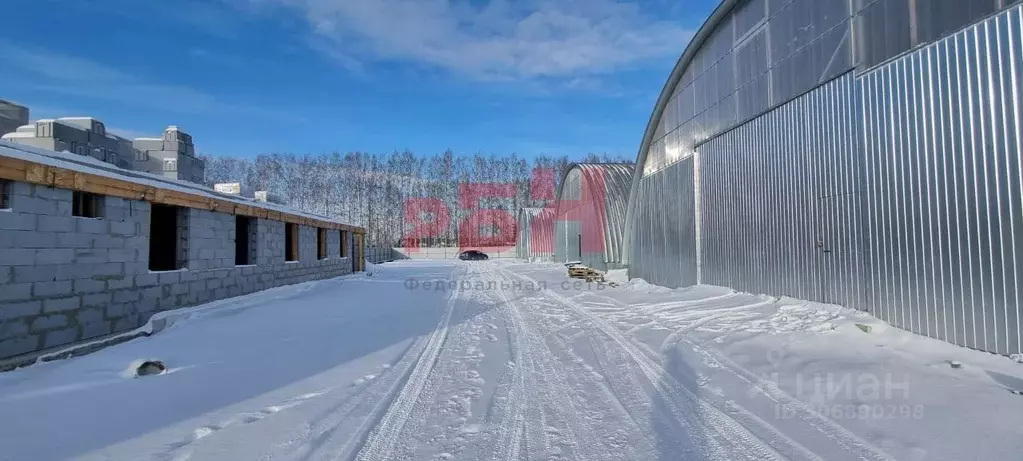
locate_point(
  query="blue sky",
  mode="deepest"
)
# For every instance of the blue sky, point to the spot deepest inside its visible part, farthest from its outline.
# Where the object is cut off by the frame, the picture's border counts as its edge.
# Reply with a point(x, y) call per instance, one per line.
point(252, 76)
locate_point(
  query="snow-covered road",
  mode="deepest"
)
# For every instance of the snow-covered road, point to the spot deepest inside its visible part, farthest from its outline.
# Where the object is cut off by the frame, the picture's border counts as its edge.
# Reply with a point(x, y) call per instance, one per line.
point(516, 362)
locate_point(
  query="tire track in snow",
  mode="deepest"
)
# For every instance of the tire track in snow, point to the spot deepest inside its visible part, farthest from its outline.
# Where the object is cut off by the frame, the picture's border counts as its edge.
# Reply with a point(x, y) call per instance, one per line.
point(384, 438)
point(555, 423)
point(730, 439)
point(683, 322)
point(841, 436)
point(500, 429)
point(514, 431)
point(558, 411)
point(628, 393)
point(447, 402)
point(672, 305)
point(512, 424)
point(338, 430)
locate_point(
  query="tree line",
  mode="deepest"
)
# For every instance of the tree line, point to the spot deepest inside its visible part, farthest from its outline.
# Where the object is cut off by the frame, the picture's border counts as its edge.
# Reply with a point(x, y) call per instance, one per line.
point(371, 190)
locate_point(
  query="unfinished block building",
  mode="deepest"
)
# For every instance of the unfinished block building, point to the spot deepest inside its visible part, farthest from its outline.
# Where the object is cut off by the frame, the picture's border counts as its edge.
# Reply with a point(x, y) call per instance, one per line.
point(88, 249)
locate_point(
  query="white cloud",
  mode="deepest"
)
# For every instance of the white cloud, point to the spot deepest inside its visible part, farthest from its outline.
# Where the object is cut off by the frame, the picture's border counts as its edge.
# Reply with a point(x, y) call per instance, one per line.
point(499, 39)
point(45, 71)
point(59, 73)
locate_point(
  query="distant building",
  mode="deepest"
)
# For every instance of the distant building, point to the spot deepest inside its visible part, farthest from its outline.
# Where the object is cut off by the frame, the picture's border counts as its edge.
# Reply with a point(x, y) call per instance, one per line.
point(12, 116)
point(172, 156)
point(268, 197)
point(234, 188)
point(242, 190)
point(78, 135)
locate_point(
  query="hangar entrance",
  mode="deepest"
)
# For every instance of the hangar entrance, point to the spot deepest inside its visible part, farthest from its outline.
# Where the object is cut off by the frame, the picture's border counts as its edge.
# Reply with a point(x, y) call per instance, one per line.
point(575, 247)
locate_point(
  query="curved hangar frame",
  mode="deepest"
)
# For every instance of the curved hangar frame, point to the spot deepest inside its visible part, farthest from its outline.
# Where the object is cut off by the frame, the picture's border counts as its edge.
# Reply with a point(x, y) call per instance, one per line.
point(535, 237)
point(590, 215)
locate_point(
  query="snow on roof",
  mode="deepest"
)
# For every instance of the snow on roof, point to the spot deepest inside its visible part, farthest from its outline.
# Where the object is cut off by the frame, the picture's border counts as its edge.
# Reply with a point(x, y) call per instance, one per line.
point(86, 164)
point(26, 129)
point(115, 137)
point(19, 135)
point(67, 123)
point(149, 139)
point(83, 123)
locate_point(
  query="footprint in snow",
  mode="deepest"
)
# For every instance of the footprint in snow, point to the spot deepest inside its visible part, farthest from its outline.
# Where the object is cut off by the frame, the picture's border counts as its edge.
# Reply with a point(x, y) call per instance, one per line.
point(251, 418)
point(276, 408)
point(202, 432)
point(363, 379)
point(306, 396)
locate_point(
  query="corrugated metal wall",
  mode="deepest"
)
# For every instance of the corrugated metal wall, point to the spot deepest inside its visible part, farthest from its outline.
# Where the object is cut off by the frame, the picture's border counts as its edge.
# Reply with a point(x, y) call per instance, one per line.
point(590, 216)
point(779, 200)
point(535, 238)
point(942, 137)
point(665, 253)
point(898, 191)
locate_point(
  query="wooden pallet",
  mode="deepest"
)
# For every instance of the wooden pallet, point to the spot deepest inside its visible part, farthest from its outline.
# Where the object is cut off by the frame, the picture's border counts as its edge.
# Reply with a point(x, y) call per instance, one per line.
point(583, 272)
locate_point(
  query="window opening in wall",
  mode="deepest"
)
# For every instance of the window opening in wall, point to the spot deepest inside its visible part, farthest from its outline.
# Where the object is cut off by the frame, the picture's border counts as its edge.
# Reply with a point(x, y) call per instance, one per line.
point(242, 237)
point(321, 243)
point(163, 238)
point(5, 194)
point(343, 247)
point(85, 205)
point(291, 242)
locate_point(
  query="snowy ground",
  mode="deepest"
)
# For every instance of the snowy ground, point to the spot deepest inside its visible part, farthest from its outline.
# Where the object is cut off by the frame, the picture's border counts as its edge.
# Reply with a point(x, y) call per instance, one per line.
point(381, 368)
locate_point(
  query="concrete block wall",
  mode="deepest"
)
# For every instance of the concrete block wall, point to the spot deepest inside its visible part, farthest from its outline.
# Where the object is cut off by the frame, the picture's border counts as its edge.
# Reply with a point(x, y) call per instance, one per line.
point(306, 243)
point(333, 243)
point(206, 233)
point(182, 243)
point(270, 239)
point(66, 279)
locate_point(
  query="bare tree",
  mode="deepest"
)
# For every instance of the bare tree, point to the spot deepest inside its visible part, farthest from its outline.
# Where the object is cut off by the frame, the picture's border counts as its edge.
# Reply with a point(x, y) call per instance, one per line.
point(371, 190)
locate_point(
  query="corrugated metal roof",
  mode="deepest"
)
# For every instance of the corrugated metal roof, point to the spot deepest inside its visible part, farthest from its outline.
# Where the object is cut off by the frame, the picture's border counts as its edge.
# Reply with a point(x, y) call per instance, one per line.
point(615, 179)
point(535, 238)
point(704, 33)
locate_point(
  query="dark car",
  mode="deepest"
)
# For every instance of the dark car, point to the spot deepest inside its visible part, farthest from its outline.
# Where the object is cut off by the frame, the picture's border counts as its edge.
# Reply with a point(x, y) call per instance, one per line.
point(473, 255)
